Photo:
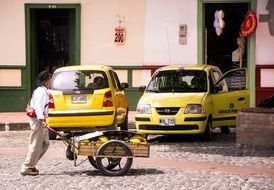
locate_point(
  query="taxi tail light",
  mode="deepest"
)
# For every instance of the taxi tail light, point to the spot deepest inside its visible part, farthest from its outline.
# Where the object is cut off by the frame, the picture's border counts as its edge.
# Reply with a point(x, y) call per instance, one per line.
point(51, 102)
point(107, 101)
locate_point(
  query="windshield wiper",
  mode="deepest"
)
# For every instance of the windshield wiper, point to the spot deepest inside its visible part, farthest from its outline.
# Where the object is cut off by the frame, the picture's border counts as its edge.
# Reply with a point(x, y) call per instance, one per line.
point(156, 91)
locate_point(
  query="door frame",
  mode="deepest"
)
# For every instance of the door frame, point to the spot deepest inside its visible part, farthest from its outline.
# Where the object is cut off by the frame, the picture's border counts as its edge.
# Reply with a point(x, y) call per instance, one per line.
point(251, 42)
point(30, 35)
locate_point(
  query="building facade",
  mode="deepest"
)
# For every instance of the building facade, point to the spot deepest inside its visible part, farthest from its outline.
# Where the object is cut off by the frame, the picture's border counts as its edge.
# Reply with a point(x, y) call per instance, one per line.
point(134, 37)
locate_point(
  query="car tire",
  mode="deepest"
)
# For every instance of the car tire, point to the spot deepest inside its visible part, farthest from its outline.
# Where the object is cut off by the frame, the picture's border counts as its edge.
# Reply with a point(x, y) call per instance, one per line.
point(207, 135)
point(52, 135)
point(124, 125)
point(225, 130)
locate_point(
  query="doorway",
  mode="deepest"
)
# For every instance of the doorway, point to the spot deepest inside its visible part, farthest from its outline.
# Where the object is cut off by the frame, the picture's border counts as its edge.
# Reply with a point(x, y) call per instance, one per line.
point(52, 38)
point(221, 48)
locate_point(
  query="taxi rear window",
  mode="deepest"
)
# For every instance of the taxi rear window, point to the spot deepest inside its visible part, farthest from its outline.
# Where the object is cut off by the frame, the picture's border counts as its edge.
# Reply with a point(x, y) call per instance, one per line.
point(79, 80)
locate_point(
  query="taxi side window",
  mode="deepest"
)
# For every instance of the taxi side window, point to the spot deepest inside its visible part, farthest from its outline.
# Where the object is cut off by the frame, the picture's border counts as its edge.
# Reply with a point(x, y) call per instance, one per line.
point(216, 74)
point(232, 81)
point(115, 80)
point(236, 80)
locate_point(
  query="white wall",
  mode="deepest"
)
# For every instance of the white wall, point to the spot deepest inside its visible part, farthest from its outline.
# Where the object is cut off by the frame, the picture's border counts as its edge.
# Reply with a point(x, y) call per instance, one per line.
point(98, 22)
point(162, 21)
point(12, 35)
point(264, 41)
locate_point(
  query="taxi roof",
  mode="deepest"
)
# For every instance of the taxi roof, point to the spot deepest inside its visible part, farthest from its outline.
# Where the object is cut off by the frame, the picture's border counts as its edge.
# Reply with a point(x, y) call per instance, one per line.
point(83, 67)
point(186, 67)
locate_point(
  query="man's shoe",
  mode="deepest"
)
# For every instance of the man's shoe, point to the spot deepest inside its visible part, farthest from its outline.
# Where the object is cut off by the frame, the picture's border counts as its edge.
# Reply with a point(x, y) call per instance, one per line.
point(30, 171)
point(34, 169)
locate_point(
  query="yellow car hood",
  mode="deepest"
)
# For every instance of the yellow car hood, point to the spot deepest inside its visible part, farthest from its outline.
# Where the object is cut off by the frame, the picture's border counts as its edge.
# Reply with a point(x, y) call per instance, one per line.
point(171, 99)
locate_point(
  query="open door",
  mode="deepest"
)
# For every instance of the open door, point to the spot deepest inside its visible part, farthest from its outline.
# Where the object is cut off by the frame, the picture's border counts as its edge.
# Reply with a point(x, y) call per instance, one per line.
point(230, 93)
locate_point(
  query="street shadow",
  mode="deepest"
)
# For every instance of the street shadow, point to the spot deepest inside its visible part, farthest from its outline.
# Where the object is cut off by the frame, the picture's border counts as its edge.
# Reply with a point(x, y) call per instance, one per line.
point(131, 172)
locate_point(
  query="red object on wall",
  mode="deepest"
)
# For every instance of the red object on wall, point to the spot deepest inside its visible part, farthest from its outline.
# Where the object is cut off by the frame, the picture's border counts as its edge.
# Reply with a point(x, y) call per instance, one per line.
point(262, 92)
point(249, 24)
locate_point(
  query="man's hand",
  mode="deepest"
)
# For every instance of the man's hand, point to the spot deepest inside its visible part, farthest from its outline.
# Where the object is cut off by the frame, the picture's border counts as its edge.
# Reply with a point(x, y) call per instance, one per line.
point(43, 122)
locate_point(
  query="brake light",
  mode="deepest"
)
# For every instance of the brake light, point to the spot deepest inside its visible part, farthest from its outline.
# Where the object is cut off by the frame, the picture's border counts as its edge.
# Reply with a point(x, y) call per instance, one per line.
point(107, 100)
point(51, 103)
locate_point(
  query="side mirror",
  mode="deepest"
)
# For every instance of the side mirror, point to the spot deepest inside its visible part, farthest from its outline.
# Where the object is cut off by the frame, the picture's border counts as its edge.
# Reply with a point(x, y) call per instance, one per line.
point(124, 85)
point(217, 89)
point(142, 89)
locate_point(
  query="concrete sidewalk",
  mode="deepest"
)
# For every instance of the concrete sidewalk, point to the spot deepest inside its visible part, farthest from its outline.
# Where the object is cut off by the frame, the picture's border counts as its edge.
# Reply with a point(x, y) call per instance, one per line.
point(16, 121)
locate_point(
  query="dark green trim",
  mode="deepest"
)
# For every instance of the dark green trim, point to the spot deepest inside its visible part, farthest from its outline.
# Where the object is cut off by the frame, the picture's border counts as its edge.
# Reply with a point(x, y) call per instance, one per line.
point(251, 42)
point(12, 66)
point(132, 93)
point(19, 96)
point(30, 42)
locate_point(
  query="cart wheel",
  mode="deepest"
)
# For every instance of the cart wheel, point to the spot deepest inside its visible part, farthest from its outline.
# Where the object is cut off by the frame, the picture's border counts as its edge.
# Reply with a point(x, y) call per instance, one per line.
point(113, 162)
point(112, 158)
point(92, 161)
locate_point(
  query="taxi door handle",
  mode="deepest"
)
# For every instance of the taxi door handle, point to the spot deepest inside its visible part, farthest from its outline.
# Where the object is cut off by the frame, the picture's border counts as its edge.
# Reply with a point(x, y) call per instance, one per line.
point(241, 99)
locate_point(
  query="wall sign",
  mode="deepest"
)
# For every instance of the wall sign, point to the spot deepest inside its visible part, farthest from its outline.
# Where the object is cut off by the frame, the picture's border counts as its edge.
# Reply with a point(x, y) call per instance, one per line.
point(182, 34)
point(120, 31)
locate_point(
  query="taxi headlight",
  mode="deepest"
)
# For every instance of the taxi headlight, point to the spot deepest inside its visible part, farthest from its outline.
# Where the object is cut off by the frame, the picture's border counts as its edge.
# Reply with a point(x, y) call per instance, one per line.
point(194, 109)
point(143, 109)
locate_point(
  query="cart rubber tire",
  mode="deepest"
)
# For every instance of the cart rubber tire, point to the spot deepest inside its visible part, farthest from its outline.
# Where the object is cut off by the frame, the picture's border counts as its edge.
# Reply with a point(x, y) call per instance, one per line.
point(114, 168)
point(113, 163)
point(92, 161)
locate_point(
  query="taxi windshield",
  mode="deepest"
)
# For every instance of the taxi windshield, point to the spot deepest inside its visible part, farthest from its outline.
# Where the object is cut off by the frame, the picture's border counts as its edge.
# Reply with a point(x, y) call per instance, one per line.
point(178, 81)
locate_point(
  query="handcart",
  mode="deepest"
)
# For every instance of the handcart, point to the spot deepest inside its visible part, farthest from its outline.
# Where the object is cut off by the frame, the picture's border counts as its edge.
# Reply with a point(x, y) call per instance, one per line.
point(111, 152)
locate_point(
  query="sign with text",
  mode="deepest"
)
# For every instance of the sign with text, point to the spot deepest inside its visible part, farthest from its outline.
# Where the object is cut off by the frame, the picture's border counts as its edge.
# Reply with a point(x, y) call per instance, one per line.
point(120, 36)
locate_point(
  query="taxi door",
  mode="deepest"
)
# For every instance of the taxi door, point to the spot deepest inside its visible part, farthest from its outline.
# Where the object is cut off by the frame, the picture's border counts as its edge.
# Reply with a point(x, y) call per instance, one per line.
point(120, 99)
point(229, 94)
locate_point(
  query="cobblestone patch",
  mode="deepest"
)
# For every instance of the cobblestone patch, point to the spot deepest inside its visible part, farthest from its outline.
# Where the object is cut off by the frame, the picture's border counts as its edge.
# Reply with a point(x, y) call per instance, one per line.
point(56, 172)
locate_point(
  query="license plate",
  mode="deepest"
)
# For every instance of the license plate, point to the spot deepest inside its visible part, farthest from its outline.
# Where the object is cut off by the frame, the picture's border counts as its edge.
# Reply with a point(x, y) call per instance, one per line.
point(78, 99)
point(167, 122)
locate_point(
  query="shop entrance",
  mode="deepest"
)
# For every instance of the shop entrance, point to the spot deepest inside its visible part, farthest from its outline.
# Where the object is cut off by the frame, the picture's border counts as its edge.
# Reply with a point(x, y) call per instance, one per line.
point(52, 39)
point(221, 49)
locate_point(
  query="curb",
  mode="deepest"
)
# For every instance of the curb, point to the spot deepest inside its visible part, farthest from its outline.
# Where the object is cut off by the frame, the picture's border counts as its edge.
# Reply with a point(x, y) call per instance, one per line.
point(7, 126)
point(14, 126)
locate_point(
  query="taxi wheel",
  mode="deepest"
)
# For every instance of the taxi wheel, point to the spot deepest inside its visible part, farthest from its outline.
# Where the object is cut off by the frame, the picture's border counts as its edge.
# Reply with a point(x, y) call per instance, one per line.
point(225, 130)
point(208, 131)
point(52, 135)
point(124, 125)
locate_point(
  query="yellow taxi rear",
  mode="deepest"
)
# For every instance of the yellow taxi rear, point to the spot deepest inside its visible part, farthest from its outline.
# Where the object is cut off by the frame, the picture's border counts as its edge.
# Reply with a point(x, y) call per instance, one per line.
point(85, 110)
point(87, 97)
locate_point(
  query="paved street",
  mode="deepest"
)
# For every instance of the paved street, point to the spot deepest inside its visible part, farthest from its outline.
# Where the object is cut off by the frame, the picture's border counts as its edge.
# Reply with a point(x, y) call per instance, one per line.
point(174, 163)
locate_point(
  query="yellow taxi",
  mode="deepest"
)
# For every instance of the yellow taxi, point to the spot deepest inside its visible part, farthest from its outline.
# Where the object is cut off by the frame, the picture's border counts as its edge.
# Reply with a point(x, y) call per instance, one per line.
point(86, 98)
point(191, 100)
